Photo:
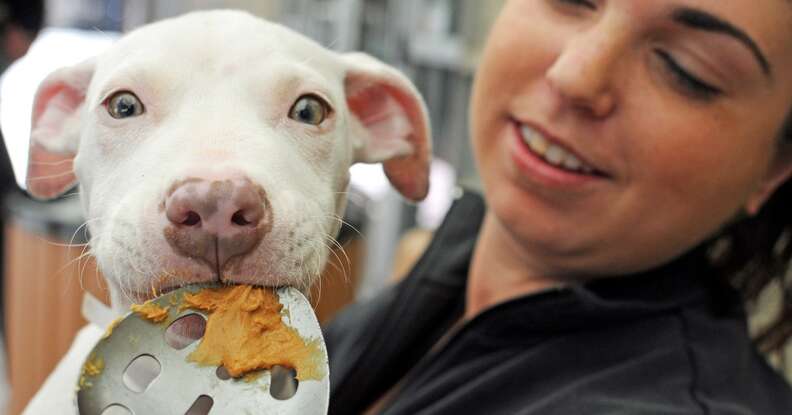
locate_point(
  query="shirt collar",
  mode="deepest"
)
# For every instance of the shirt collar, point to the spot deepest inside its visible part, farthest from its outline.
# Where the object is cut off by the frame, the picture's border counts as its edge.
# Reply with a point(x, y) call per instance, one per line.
point(686, 281)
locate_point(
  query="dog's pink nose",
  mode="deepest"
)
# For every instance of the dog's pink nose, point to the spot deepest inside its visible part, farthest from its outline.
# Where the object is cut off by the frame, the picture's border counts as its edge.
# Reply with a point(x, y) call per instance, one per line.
point(215, 221)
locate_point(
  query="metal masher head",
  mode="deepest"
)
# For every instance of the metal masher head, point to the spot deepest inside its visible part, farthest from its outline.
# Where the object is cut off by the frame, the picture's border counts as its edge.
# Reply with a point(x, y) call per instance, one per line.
point(141, 368)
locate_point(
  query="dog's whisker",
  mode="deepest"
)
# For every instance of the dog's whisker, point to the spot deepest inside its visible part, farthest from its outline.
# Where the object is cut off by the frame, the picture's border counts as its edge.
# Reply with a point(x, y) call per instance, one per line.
point(333, 246)
point(85, 252)
point(80, 264)
point(343, 222)
point(339, 247)
point(97, 277)
point(84, 227)
point(318, 262)
point(167, 276)
point(71, 263)
point(333, 43)
point(308, 268)
point(85, 263)
point(316, 292)
point(122, 277)
point(50, 176)
point(91, 258)
point(64, 245)
point(97, 29)
point(338, 219)
point(354, 228)
point(347, 264)
point(49, 163)
point(131, 253)
point(304, 268)
point(338, 268)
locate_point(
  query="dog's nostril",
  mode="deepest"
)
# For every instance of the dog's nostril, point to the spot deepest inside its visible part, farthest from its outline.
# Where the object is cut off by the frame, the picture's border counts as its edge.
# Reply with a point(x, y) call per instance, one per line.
point(239, 219)
point(191, 219)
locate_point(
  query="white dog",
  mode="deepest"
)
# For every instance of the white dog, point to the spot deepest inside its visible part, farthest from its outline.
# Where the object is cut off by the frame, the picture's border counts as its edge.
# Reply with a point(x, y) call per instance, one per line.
point(215, 146)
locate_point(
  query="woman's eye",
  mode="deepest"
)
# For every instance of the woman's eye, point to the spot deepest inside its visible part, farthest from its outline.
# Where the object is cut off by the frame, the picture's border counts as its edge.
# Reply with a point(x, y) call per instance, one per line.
point(309, 109)
point(687, 82)
point(589, 4)
point(124, 104)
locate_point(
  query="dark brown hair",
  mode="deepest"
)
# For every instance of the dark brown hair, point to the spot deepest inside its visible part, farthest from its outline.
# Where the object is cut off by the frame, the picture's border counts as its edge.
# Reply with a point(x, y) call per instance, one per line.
point(756, 254)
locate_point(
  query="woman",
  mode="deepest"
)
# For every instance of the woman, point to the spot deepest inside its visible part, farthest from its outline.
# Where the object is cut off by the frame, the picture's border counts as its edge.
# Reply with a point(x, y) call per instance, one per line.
point(627, 149)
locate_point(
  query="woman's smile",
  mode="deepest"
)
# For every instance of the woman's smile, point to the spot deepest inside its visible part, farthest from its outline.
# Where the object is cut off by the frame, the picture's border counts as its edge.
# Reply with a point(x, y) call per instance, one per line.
point(543, 158)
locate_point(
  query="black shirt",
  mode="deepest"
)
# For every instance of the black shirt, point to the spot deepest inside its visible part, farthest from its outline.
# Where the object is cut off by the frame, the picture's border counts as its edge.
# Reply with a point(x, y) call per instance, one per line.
point(669, 341)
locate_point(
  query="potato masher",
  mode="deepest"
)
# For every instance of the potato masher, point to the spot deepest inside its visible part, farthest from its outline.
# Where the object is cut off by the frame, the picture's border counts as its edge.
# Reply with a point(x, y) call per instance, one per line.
point(141, 368)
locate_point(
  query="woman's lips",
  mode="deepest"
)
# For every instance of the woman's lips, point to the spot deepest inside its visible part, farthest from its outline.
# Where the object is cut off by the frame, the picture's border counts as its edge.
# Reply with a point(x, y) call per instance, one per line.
point(547, 161)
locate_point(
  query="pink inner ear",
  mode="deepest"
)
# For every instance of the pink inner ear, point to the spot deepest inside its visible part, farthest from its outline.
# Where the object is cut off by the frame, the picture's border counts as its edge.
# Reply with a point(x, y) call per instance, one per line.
point(49, 174)
point(50, 168)
point(398, 134)
point(382, 115)
point(53, 106)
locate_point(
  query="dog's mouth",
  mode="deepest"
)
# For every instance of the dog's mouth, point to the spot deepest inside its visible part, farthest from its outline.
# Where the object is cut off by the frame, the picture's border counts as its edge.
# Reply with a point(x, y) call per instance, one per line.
point(171, 280)
point(141, 297)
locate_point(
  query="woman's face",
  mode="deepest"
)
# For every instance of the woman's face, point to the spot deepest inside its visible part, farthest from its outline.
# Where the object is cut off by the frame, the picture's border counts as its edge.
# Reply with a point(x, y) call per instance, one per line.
point(613, 135)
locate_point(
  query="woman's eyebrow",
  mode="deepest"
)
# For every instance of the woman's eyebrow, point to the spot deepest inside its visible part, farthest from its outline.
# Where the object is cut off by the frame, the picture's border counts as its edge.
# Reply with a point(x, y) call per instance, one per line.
point(701, 20)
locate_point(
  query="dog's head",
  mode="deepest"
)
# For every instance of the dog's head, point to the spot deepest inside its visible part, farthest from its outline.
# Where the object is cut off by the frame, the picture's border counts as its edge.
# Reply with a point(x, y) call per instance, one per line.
point(217, 146)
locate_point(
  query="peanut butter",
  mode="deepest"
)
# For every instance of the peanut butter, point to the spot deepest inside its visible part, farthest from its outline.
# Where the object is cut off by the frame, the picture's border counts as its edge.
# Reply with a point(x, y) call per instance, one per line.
point(151, 311)
point(112, 327)
point(92, 368)
point(245, 333)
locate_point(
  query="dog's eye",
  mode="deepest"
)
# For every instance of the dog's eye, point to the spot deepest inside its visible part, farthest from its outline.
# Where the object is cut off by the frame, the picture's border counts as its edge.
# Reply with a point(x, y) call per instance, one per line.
point(309, 109)
point(124, 104)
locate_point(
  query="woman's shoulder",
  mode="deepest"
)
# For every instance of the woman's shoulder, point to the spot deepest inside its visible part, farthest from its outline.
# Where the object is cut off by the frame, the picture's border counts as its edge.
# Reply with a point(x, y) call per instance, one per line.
point(727, 372)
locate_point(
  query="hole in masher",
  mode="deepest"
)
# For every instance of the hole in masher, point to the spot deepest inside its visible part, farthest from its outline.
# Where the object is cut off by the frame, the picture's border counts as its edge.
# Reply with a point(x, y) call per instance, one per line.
point(185, 331)
point(284, 383)
point(222, 373)
point(201, 406)
point(116, 409)
point(139, 374)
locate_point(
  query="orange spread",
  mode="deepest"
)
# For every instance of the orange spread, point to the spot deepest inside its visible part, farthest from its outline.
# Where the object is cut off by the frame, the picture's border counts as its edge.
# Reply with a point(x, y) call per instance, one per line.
point(112, 327)
point(93, 367)
point(151, 311)
point(245, 333)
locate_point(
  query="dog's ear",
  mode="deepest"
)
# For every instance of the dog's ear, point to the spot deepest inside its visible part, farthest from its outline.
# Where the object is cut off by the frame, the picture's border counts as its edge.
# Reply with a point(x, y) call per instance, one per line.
point(55, 131)
point(389, 123)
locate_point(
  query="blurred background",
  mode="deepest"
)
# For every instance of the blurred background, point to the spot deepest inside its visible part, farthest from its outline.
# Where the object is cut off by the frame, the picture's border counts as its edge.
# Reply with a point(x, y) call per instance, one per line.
point(435, 42)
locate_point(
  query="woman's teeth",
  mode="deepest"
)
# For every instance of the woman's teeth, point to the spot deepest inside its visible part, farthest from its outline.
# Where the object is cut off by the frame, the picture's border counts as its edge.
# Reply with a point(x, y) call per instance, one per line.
point(552, 153)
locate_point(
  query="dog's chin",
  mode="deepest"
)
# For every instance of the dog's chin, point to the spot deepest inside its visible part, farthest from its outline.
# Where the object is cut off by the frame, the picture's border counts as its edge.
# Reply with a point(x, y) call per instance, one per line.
point(170, 272)
point(173, 279)
point(139, 297)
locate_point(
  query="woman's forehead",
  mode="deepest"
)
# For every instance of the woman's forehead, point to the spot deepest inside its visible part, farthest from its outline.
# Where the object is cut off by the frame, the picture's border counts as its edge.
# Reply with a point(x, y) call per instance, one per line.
point(768, 19)
point(765, 24)
point(769, 23)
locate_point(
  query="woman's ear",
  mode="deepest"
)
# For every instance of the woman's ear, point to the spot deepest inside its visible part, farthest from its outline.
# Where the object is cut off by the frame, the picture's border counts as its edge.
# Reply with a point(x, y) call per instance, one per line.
point(780, 171)
point(55, 130)
point(389, 123)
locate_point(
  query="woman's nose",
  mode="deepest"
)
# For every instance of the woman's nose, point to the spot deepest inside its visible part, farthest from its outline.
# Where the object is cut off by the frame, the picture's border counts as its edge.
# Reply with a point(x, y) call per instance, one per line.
point(584, 72)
